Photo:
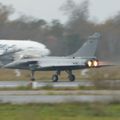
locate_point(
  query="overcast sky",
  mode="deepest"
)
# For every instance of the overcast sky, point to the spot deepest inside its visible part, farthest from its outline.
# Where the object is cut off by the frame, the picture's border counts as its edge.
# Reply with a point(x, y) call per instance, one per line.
point(49, 9)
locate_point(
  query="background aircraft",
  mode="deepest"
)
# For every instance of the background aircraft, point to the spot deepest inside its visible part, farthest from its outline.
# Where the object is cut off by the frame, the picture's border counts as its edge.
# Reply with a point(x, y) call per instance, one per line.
point(12, 50)
point(82, 59)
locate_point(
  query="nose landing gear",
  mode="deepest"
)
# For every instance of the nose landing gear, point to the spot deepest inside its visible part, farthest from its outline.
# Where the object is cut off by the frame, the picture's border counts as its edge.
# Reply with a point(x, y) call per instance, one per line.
point(32, 75)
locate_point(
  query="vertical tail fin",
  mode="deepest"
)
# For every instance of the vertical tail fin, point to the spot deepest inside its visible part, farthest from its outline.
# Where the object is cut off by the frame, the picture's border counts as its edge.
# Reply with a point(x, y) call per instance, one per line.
point(89, 48)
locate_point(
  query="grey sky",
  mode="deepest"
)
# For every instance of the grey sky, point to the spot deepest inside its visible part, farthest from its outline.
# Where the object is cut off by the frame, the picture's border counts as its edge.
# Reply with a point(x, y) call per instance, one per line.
point(49, 9)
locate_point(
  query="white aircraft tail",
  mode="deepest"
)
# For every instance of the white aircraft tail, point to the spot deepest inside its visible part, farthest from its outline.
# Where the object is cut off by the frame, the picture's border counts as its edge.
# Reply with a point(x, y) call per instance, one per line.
point(89, 48)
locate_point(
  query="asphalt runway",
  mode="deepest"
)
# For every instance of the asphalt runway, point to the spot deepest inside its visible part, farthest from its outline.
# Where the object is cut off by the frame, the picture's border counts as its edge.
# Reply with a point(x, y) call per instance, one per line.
point(61, 84)
point(26, 97)
point(60, 96)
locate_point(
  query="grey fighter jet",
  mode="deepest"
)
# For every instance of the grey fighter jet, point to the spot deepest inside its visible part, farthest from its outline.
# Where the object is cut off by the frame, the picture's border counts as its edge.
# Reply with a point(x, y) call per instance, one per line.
point(82, 59)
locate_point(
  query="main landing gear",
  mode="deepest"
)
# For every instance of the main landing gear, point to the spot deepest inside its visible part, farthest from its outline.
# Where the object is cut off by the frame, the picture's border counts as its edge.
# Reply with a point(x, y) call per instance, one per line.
point(71, 77)
point(55, 77)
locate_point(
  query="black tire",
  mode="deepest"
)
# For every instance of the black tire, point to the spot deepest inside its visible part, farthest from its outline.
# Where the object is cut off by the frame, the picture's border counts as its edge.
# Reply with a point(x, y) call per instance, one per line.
point(55, 78)
point(71, 77)
point(33, 79)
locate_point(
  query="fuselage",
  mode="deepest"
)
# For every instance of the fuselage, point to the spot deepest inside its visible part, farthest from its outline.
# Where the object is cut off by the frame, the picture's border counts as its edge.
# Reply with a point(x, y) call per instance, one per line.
point(62, 63)
point(50, 63)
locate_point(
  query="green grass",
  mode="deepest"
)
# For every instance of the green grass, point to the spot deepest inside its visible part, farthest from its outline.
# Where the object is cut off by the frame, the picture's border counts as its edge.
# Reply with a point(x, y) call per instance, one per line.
point(49, 87)
point(60, 112)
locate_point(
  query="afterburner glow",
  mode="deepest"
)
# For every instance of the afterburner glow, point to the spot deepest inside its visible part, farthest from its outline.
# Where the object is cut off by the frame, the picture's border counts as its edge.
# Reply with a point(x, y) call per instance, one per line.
point(92, 63)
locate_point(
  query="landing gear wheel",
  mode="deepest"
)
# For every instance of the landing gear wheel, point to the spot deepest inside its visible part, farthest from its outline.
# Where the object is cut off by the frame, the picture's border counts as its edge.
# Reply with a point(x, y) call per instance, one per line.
point(32, 79)
point(55, 78)
point(71, 78)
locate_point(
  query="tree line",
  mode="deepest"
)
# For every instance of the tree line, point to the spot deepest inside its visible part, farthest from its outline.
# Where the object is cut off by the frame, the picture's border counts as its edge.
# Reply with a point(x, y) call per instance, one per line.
point(64, 39)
